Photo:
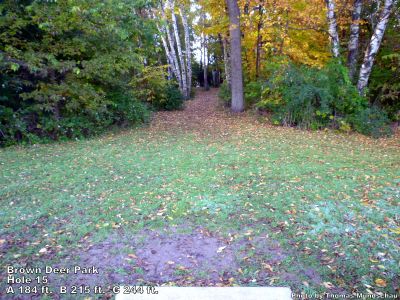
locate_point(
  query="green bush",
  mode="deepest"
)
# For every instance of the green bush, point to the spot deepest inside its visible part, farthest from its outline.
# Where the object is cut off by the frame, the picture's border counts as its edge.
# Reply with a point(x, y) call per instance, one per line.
point(224, 94)
point(173, 98)
point(127, 110)
point(153, 87)
point(371, 121)
point(64, 76)
point(384, 87)
point(312, 98)
point(252, 93)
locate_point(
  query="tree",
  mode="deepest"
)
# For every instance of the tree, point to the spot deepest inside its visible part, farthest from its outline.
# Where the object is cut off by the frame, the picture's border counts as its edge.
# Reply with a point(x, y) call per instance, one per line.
point(374, 45)
point(354, 37)
point(169, 48)
point(179, 48)
point(178, 58)
point(237, 104)
point(183, 12)
point(204, 51)
point(66, 67)
point(227, 62)
point(333, 32)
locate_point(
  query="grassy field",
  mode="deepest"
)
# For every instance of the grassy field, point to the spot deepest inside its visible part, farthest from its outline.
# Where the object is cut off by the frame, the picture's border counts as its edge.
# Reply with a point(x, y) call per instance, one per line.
point(326, 205)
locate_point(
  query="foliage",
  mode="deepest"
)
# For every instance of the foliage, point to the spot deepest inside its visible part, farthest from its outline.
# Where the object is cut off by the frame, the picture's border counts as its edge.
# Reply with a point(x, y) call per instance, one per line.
point(156, 89)
point(224, 94)
point(66, 67)
point(385, 85)
point(252, 93)
point(173, 99)
point(314, 98)
point(151, 85)
point(371, 121)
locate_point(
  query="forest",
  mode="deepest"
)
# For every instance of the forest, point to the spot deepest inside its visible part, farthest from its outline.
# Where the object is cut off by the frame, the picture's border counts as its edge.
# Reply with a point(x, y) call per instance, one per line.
point(70, 69)
point(212, 143)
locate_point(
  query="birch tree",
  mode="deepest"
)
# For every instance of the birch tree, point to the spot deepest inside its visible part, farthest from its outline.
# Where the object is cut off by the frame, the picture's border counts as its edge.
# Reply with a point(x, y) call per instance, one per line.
point(354, 37)
point(237, 104)
point(188, 49)
point(374, 45)
point(227, 63)
point(178, 59)
point(332, 29)
point(179, 48)
point(205, 62)
point(259, 38)
point(168, 54)
point(169, 46)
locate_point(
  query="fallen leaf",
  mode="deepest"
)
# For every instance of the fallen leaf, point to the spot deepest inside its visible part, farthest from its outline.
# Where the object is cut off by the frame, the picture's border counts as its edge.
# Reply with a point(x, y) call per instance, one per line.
point(380, 282)
point(328, 285)
point(268, 267)
point(395, 230)
point(220, 249)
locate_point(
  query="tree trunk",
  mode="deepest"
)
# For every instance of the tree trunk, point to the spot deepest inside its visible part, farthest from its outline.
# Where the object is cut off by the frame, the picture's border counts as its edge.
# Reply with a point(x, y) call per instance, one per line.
point(259, 39)
point(333, 33)
point(179, 47)
point(205, 64)
point(227, 63)
point(354, 37)
point(174, 58)
point(188, 49)
point(168, 54)
point(374, 45)
point(236, 57)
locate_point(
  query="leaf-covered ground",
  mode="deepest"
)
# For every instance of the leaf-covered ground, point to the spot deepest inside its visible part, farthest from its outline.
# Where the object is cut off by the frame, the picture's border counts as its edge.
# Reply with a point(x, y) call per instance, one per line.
point(201, 197)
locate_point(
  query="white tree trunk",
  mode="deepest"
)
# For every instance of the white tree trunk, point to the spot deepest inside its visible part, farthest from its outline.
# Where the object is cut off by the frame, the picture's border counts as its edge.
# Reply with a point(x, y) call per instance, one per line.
point(237, 104)
point(227, 64)
point(179, 47)
point(188, 49)
point(168, 54)
point(205, 63)
point(173, 57)
point(374, 45)
point(354, 37)
point(332, 29)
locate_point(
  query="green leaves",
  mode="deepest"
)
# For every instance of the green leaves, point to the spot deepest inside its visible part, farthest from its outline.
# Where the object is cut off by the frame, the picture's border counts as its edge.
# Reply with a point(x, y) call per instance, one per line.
point(67, 59)
point(14, 66)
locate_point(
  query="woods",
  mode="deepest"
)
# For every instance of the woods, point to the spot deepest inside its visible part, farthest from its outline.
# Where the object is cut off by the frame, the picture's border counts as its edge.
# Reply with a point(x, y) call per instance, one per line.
point(82, 71)
point(200, 143)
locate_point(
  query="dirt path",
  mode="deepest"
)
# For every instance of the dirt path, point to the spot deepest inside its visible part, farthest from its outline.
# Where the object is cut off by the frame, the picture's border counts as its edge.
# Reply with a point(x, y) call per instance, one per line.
point(199, 113)
point(204, 115)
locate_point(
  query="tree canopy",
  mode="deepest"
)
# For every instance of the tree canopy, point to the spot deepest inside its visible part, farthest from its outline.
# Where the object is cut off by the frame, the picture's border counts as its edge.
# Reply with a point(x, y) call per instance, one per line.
point(73, 68)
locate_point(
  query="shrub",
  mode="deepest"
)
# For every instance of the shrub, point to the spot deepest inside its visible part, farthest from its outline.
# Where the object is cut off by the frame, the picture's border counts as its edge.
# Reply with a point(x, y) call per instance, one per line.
point(384, 85)
point(371, 121)
point(314, 98)
point(153, 87)
point(173, 98)
point(224, 94)
point(127, 110)
point(252, 93)
point(311, 98)
point(62, 76)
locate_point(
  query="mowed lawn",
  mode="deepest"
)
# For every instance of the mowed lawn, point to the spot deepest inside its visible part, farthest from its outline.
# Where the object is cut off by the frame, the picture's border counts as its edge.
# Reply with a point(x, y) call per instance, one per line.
point(330, 201)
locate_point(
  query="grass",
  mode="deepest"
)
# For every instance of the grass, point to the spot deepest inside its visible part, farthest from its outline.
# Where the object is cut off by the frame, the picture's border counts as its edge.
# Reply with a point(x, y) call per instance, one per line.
point(331, 201)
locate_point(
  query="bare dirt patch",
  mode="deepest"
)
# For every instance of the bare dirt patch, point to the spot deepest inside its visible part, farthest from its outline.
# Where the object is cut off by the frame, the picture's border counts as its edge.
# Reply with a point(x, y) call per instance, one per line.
point(155, 257)
point(178, 256)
